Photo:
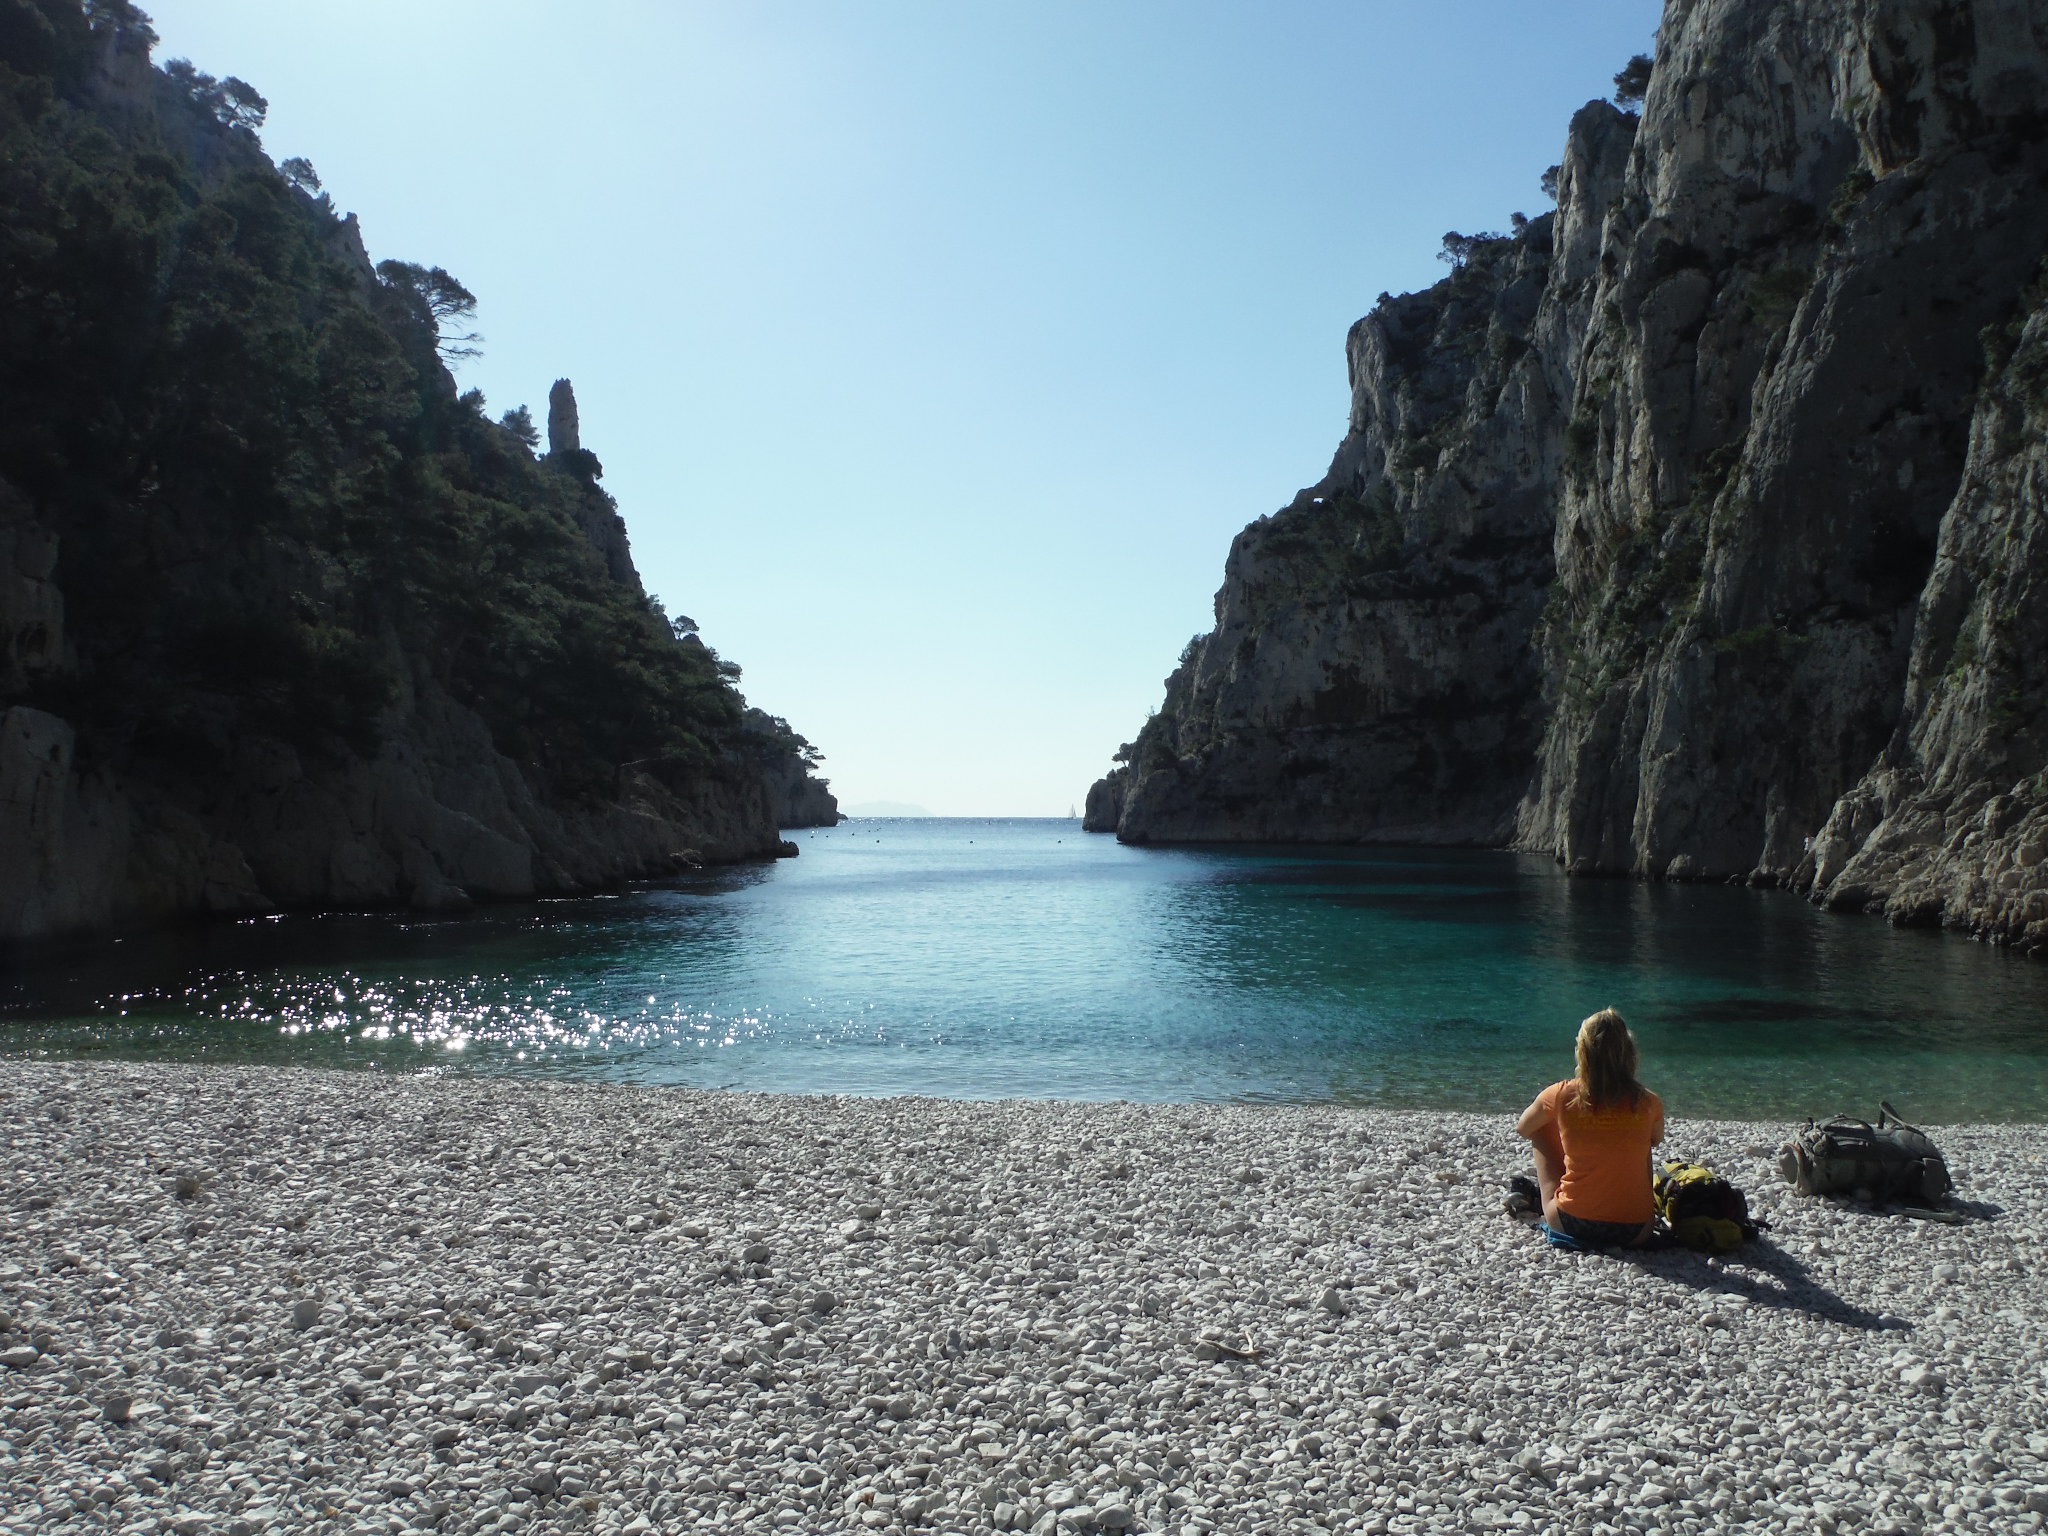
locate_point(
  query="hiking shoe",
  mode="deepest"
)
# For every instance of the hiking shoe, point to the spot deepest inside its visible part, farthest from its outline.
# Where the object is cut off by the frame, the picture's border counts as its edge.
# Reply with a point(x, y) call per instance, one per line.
point(1523, 1198)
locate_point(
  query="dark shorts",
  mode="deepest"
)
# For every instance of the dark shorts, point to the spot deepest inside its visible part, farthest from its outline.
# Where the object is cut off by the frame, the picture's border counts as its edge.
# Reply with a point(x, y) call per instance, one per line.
point(1598, 1234)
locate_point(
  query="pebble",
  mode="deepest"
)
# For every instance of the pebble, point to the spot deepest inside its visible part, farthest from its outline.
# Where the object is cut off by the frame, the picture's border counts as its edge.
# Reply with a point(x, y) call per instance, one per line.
point(469, 1305)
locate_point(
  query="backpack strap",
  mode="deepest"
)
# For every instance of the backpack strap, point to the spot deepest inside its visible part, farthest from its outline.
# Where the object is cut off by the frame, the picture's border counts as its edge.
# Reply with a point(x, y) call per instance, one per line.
point(1885, 1110)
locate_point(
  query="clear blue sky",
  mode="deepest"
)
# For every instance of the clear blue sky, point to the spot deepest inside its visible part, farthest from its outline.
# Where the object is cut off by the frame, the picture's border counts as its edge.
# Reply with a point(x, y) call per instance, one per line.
point(934, 351)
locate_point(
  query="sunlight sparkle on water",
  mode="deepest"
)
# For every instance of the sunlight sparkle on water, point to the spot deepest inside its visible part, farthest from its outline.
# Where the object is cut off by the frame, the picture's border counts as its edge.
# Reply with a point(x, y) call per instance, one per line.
point(993, 959)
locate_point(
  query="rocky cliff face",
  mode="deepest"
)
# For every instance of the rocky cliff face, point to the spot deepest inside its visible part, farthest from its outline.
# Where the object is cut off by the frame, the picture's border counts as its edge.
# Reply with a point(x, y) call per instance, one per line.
point(797, 797)
point(801, 800)
point(1951, 823)
point(436, 817)
point(1371, 670)
point(284, 620)
point(1656, 523)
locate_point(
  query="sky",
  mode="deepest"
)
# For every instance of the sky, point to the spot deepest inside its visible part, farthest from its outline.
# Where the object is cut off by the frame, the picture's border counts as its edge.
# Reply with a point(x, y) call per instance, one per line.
point(934, 351)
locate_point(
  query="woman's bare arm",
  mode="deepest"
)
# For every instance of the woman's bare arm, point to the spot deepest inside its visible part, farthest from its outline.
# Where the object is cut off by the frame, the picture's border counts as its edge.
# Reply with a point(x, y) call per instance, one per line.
point(1534, 1118)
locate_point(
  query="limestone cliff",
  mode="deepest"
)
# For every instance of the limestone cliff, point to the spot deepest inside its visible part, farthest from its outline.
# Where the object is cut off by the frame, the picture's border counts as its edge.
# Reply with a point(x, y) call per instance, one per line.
point(787, 764)
point(1951, 823)
point(1656, 522)
point(285, 620)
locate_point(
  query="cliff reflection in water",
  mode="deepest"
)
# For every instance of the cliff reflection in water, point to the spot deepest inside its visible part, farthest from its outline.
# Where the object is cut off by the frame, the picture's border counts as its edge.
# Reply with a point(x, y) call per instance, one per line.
point(1020, 958)
point(1444, 976)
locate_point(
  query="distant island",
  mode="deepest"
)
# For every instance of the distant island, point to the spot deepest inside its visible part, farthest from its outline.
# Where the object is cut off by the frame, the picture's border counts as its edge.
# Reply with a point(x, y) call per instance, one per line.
point(1693, 530)
point(288, 619)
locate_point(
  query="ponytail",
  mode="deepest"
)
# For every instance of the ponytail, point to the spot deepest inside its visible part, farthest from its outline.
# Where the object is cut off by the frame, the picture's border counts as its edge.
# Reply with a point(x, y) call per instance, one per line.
point(1607, 1062)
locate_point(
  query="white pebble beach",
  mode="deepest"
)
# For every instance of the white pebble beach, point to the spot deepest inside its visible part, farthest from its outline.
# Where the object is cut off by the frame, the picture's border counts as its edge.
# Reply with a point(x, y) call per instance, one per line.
point(256, 1299)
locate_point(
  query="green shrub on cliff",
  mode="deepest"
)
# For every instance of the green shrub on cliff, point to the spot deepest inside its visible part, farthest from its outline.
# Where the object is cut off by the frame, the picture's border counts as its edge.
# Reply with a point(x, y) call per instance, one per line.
point(276, 514)
point(1632, 82)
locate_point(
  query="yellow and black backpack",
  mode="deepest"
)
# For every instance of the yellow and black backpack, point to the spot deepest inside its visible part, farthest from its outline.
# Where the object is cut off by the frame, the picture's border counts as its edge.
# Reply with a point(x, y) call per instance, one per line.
point(1703, 1210)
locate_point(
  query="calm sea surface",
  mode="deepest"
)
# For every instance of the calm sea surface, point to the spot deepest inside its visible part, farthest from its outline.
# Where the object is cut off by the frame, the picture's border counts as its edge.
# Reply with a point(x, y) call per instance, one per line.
point(1024, 958)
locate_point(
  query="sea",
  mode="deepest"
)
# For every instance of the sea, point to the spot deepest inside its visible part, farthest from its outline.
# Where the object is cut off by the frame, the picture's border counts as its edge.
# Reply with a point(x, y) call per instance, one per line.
point(985, 959)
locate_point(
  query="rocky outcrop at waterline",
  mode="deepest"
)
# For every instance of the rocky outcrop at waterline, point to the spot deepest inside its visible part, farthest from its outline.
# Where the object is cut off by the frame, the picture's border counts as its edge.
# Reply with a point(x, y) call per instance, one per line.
point(1952, 822)
point(1691, 530)
point(796, 795)
point(286, 619)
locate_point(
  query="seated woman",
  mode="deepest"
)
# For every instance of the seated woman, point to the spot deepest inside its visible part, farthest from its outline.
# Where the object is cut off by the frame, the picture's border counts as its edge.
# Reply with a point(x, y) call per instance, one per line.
point(1593, 1134)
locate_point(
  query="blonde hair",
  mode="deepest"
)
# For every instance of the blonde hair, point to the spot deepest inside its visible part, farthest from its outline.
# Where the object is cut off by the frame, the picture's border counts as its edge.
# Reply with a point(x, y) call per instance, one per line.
point(1607, 1062)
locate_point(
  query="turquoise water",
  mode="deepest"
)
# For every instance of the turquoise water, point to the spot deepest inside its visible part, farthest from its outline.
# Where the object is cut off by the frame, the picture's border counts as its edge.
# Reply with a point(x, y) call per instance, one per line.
point(1025, 958)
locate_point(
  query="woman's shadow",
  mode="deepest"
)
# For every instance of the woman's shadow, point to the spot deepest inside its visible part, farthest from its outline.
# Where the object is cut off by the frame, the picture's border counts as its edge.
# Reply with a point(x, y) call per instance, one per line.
point(1766, 1275)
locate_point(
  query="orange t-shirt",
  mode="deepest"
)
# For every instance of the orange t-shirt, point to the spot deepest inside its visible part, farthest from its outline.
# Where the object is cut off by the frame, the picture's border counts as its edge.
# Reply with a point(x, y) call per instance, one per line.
point(1606, 1153)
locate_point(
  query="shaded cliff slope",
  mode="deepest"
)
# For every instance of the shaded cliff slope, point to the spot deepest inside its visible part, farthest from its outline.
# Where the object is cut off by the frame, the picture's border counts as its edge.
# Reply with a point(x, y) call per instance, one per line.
point(285, 619)
point(1691, 531)
point(796, 795)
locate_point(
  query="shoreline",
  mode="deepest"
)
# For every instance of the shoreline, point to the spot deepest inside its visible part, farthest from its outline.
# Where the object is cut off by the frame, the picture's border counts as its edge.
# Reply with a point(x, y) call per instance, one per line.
point(296, 1298)
point(429, 1066)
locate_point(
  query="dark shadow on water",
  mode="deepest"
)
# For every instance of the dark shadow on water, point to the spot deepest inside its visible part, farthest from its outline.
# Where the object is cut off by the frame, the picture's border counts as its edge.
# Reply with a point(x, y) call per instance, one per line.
point(1309, 864)
point(1465, 904)
point(1762, 1010)
point(1764, 1275)
point(163, 965)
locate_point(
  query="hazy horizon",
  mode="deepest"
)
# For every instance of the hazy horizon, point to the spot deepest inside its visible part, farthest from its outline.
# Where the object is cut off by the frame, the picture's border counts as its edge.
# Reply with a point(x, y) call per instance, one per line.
point(933, 354)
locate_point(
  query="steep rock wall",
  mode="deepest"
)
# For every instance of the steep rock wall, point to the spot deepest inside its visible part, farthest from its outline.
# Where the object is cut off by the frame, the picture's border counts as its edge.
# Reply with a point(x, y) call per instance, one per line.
point(436, 817)
point(1951, 824)
point(1371, 674)
point(800, 800)
point(285, 621)
point(1670, 549)
point(1825, 206)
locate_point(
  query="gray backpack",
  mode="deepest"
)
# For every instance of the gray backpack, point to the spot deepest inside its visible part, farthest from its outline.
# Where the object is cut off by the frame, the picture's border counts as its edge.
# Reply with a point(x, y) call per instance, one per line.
point(1890, 1160)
